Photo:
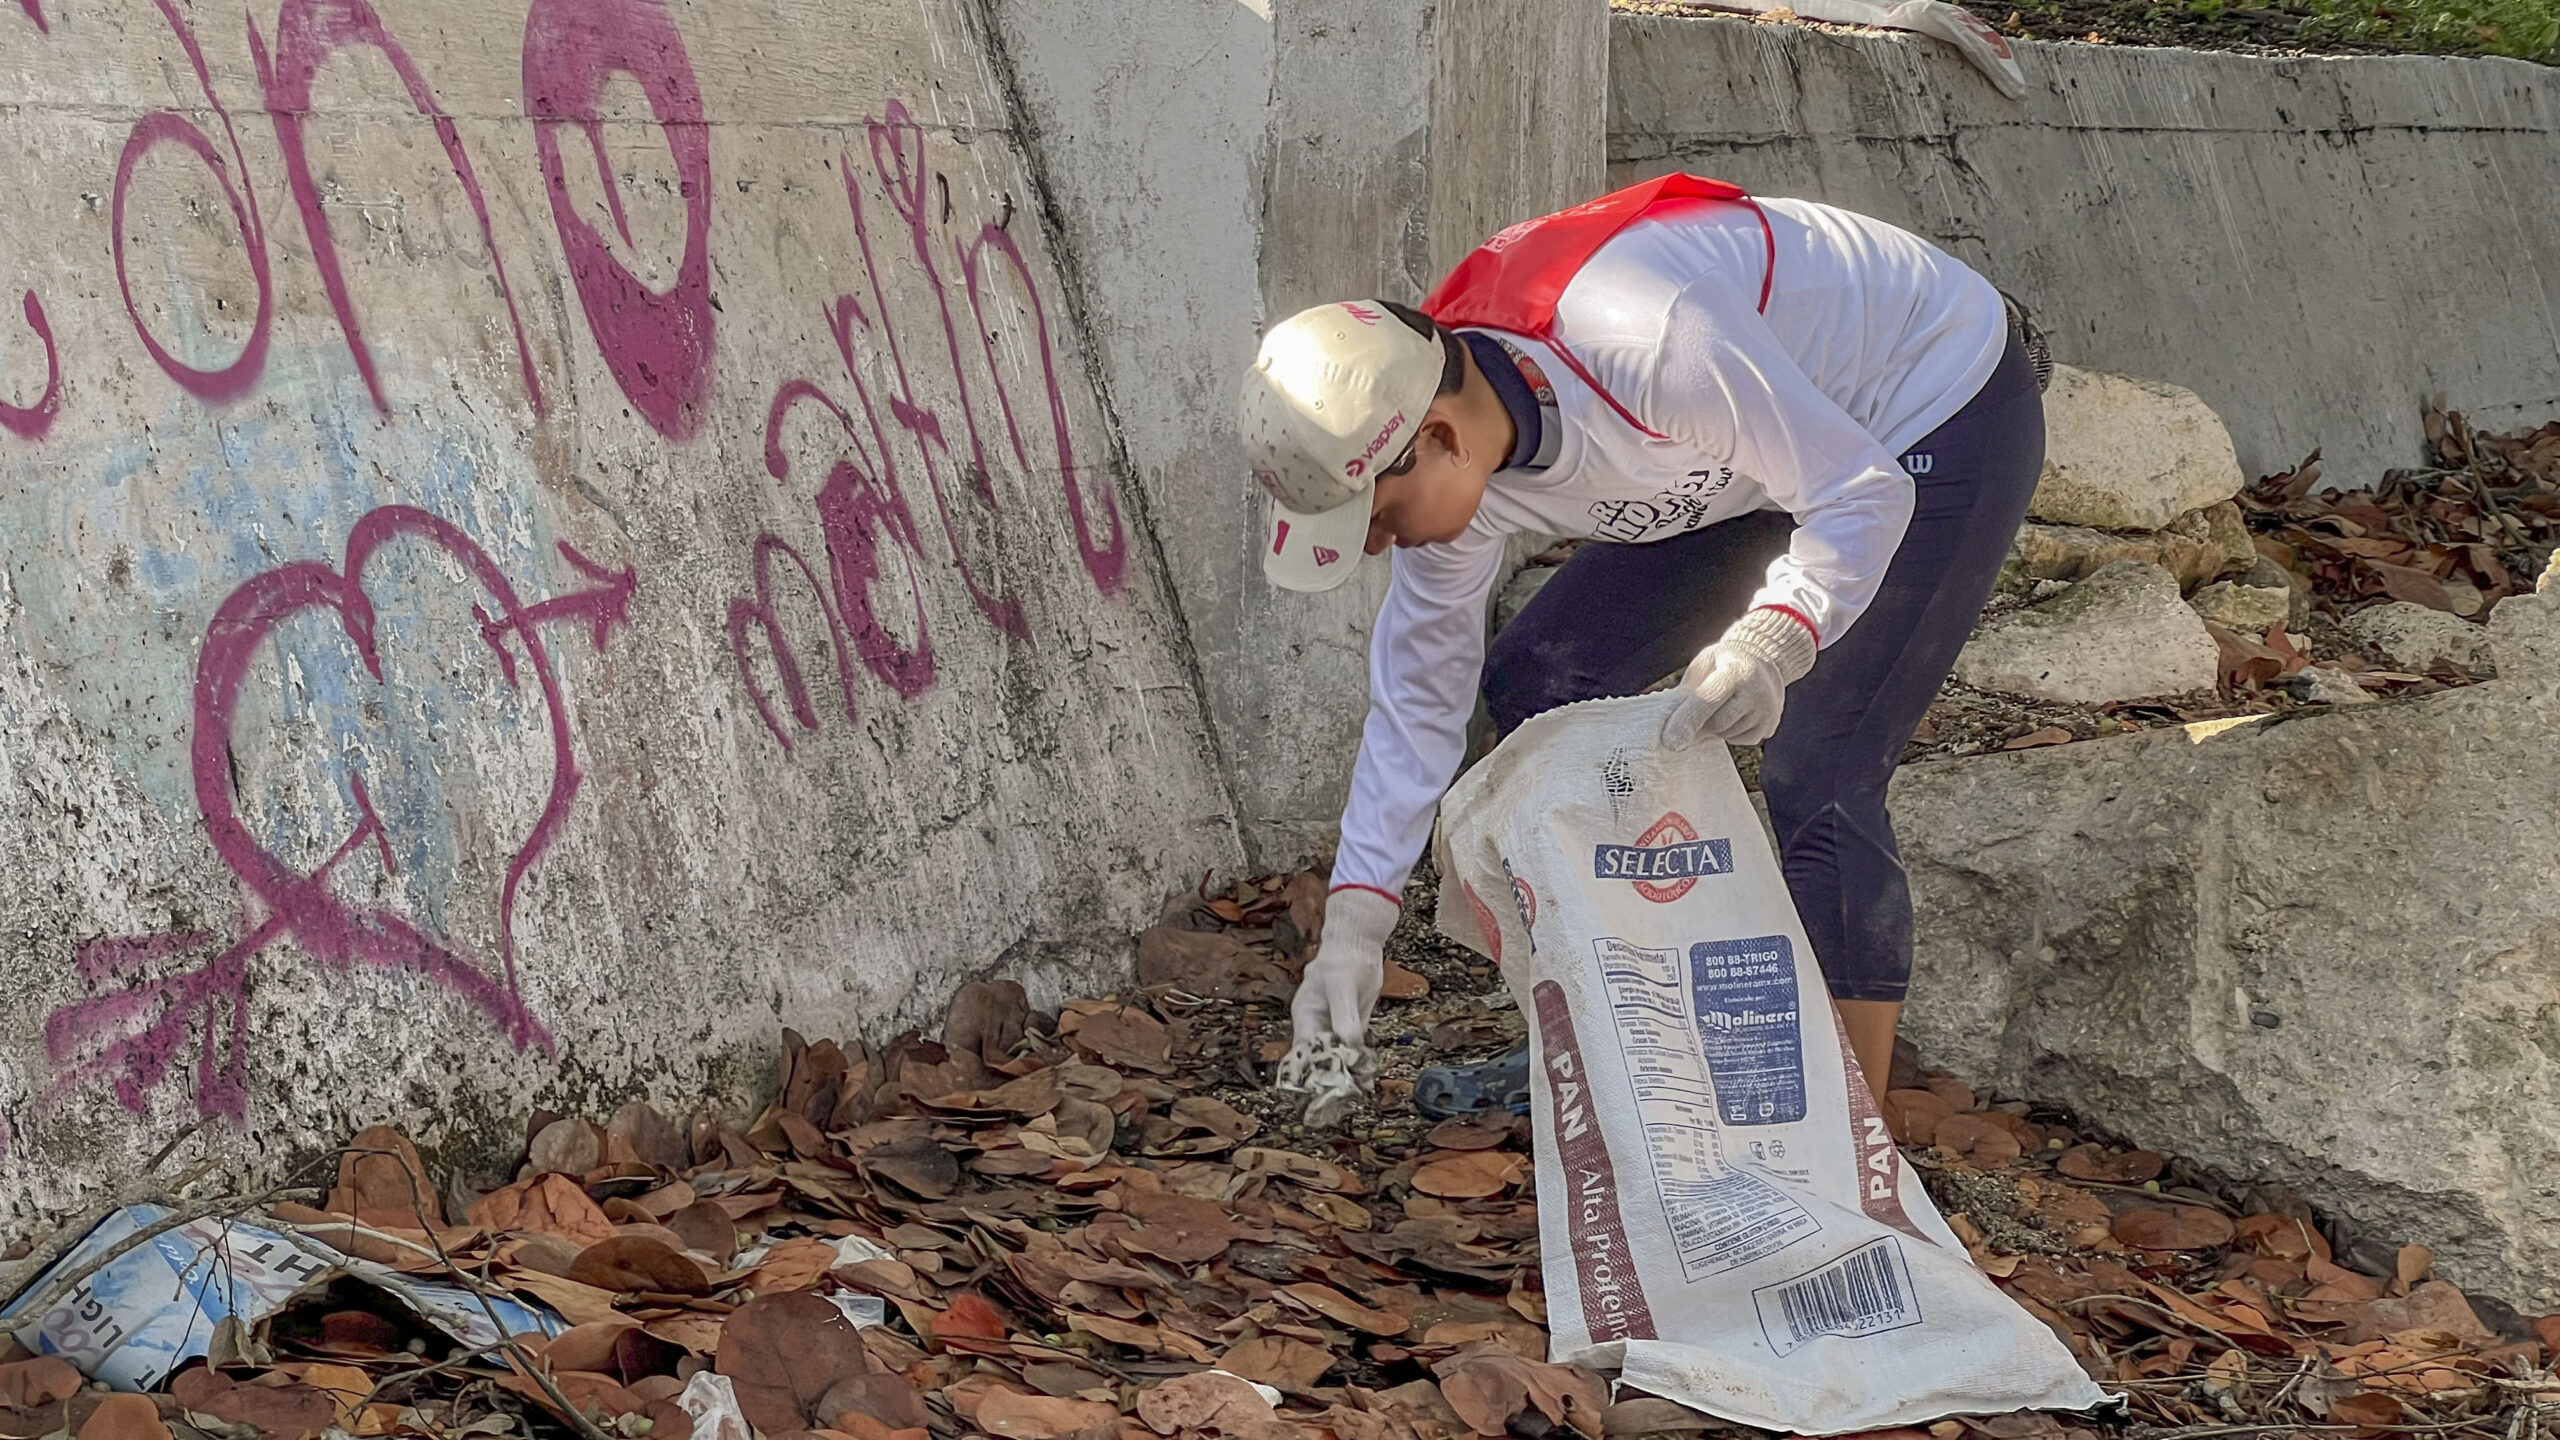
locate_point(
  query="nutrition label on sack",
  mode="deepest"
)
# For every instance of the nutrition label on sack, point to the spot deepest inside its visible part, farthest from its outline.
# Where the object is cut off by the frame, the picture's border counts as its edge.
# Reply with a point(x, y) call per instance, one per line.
point(1721, 1216)
point(1748, 1017)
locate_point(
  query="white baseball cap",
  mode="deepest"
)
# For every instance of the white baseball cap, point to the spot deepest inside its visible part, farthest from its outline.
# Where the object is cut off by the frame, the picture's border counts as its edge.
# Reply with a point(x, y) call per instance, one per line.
point(1335, 396)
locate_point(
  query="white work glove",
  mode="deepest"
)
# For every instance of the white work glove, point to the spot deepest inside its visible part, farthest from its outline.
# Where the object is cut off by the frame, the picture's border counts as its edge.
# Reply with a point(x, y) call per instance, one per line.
point(1736, 688)
point(1329, 1057)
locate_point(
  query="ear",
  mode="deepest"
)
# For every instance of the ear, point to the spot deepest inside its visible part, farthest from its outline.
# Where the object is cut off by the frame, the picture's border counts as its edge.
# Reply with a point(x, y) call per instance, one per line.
point(1439, 427)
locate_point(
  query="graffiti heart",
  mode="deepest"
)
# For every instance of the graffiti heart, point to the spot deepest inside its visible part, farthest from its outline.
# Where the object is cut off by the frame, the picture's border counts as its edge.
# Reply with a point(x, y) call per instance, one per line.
point(144, 1023)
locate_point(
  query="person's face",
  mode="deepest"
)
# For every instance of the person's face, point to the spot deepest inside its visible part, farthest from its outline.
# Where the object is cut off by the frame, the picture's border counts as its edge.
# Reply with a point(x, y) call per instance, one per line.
point(1432, 493)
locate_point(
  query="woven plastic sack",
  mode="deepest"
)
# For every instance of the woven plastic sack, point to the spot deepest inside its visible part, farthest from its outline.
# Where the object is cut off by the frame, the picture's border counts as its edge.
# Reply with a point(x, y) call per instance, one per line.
point(1723, 1217)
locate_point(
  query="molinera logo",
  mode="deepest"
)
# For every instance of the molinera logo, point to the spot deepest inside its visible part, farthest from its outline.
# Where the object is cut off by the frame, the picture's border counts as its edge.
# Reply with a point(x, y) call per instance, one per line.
point(1665, 860)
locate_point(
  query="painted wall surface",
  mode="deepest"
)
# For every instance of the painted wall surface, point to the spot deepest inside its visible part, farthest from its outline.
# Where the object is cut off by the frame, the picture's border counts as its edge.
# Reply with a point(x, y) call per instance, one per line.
point(2314, 246)
point(542, 539)
point(1250, 160)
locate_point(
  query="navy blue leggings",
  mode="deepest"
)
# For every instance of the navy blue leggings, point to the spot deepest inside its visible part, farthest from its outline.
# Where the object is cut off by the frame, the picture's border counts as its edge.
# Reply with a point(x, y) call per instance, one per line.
point(1616, 618)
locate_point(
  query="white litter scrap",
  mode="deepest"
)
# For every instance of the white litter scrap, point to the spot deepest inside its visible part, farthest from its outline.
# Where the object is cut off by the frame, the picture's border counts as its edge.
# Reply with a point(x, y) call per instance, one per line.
point(1723, 1215)
point(156, 1306)
point(1987, 49)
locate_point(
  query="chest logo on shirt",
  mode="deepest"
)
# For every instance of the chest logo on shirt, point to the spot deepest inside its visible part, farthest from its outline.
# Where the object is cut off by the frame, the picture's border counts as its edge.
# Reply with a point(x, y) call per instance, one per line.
point(1682, 507)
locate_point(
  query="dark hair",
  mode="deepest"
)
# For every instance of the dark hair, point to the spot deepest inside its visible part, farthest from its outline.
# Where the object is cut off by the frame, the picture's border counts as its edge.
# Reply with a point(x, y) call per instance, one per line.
point(1453, 370)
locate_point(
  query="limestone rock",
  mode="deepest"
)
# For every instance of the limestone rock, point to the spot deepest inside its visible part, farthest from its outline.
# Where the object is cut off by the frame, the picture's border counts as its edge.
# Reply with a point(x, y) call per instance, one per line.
point(2268, 575)
point(2329, 685)
point(2235, 605)
point(2323, 952)
point(2126, 454)
point(2196, 547)
point(2229, 531)
point(2121, 634)
point(1516, 593)
point(2416, 637)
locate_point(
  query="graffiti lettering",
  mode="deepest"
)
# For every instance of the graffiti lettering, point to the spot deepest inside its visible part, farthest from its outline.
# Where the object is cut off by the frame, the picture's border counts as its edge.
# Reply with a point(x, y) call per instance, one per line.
point(138, 1032)
point(658, 344)
point(31, 421)
point(308, 34)
point(897, 151)
point(240, 376)
point(1106, 558)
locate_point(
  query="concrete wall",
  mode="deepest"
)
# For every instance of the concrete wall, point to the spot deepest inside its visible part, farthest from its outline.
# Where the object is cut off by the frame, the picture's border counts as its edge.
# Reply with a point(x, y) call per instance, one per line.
point(2311, 245)
point(1248, 161)
point(507, 607)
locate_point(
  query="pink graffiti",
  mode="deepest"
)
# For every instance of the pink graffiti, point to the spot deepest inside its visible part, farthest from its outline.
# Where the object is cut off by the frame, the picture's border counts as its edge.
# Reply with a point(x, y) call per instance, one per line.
point(857, 508)
point(897, 146)
point(31, 421)
point(308, 34)
point(142, 1029)
point(658, 344)
point(861, 502)
point(35, 12)
point(241, 375)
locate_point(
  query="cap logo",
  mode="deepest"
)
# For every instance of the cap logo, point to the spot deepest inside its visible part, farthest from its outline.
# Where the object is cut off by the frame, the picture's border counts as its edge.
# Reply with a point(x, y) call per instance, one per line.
point(1361, 313)
point(1358, 464)
point(1279, 536)
point(1326, 555)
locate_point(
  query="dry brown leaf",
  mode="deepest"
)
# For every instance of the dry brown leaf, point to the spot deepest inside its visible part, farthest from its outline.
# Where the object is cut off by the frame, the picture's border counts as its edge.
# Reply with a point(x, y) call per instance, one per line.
point(1176, 1227)
point(578, 1304)
point(1278, 1361)
point(381, 1178)
point(2369, 1408)
point(125, 1417)
point(26, 1384)
point(2036, 739)
point(1979, 1139)
point(1336, 1306)
point(1470, 1132)
point(1403, 984)
point(783, 1354)
point(638, 1262)
point(2111, 1167)
point(1209, 1401)
point(1299, 1169)
point(1488, 1384)
point(1128, 1038)
point(1044, 1417)
point(1913, 1115)
point(1470, 1174)
point(545, 1204)
point(2173, 1227)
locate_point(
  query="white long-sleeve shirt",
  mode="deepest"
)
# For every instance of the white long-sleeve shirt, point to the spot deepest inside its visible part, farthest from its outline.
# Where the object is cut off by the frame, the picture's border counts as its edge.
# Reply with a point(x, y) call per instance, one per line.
point(1872, 338)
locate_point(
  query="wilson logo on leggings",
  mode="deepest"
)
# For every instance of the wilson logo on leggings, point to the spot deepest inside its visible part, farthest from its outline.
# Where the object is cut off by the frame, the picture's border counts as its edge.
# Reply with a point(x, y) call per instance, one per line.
point(1665, 860)
point(1613, 1303)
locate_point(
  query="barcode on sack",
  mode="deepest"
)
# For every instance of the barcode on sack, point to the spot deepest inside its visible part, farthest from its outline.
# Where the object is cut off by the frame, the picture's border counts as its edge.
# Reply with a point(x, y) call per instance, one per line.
point(1865, 1292)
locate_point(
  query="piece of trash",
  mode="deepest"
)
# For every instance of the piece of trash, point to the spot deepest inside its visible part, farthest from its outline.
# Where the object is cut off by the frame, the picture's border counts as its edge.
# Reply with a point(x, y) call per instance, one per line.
point(161, 1303)
point(1987, 49)
point(713, 1403)
point(863, 1310)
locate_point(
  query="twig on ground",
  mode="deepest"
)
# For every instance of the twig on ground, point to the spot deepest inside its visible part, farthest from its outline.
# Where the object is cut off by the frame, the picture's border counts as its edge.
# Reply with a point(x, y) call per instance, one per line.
point(517, 1356)
point(52, 1295)
point(17, 1275)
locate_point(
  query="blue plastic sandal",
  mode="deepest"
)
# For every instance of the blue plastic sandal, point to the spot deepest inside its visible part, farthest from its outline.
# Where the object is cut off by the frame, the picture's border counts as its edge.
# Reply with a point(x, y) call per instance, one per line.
point(1444, 1092)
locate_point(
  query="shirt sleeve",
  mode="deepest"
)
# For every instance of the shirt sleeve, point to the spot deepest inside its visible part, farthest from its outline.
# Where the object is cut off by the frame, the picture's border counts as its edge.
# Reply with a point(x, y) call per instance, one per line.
point(1426, 657)
point(1725, 384)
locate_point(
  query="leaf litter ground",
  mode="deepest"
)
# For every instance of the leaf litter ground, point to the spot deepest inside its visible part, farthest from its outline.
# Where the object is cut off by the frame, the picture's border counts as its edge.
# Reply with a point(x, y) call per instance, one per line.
point(1101, 1225)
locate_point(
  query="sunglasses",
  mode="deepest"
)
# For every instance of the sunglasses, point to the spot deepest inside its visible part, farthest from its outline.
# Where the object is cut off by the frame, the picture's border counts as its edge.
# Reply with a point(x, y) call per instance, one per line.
point(1404, 462)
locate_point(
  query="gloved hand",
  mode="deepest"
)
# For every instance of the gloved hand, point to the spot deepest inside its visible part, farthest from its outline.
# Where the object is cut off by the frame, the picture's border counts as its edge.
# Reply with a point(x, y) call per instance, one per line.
point(1329, 1056)
point(1737, 687)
